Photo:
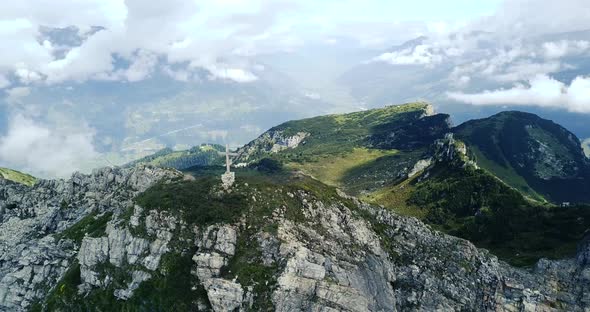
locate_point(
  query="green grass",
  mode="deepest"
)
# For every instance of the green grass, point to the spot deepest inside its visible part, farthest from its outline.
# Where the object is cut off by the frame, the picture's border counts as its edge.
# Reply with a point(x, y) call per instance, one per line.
point(194, 201)
point(476, 206)
point(380, 173)
point(17, 176)
point(505, 173)
point(203, 155)
point(333, 169)
point(64, 290)
point(357, 151)
point(535, 156)
point(338, 135)
point(586, 146)
point(171, 288)
point(92, 225)
point(246, 266)
point(396, 198)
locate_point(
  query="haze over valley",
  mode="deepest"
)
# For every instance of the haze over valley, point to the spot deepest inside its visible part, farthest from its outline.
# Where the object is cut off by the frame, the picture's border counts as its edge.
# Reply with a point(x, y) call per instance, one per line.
point(107, 82)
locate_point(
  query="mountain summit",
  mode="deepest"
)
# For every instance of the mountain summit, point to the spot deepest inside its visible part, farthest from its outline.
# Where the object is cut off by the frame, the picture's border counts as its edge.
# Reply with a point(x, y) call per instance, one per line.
point(536, 156)
point(287, 236)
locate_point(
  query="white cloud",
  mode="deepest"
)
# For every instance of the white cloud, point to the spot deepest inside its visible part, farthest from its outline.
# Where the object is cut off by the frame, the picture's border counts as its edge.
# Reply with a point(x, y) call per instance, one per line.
point(541, 91)
point(20, 35)
point(419, 55)
point(180, 75)
point(87, 61)
point(524, 70)
point(516, 18)
point(26, 76)
point(559, 49)
point(17, 93)
point(235, 74)
point(4, 82)
point(47, 152)
point(212, 35)
point(142, 66)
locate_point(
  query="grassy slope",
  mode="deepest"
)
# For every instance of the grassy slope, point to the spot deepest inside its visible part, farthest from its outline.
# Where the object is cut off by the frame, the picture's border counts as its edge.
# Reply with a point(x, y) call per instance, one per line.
point(396, 198)
point(340, 152)
point(586, 146)
point(340, 134)
point(505, 173)
point(470, 204)
point(526, 152)
point(17, 177)
point(475, 205)
point(482, 137)
point(332, 170)
point(203, 155)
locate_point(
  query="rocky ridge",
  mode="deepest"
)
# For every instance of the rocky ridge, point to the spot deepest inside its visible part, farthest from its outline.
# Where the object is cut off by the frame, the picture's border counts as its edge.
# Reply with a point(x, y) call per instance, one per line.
point(339, 254)
point(272, 141)
point(284, 243)
point(36, 250)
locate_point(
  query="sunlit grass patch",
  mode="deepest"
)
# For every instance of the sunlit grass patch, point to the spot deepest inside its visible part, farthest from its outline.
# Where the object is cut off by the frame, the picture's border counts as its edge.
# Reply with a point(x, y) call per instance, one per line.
point(17, 177)
point(331, 169)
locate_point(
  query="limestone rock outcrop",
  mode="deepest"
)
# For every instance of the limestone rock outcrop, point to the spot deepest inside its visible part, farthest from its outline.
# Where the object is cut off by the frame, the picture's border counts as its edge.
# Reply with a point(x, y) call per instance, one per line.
point(37, 244)
point(337, 254)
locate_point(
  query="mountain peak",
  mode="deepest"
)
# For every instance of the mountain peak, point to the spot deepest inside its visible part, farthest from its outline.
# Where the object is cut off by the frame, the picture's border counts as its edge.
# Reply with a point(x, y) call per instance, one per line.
point(532, 154)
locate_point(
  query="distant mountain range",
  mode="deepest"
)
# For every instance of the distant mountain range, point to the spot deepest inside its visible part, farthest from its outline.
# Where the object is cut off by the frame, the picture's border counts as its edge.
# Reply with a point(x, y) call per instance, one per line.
point(137, 119)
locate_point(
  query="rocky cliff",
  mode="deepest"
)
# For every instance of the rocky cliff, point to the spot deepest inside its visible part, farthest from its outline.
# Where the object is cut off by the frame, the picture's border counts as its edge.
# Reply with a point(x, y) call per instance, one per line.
point(41, 226)
point(149, 239)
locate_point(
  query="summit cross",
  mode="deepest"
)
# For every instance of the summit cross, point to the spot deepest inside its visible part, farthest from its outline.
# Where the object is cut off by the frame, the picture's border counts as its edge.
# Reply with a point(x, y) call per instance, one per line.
point(227, 160)
point(229, 177)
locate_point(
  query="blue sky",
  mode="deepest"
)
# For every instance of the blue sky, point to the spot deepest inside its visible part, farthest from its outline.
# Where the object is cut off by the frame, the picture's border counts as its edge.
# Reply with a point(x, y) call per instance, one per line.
point(418, 10)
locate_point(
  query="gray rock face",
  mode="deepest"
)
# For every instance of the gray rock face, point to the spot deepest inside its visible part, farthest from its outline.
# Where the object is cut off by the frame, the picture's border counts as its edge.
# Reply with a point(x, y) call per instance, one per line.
point(337, 257)
point(419, 166)
point(338, 262)
point(33, 255)
point(272, 141)
point(343, 269)
point(224, 295)
point(137, 278)
point(216, 245)
point(120, 248)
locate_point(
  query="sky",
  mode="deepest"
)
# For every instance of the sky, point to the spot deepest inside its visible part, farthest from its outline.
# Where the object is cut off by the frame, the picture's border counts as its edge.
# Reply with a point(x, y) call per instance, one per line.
point(200, 32)
point(488, 52)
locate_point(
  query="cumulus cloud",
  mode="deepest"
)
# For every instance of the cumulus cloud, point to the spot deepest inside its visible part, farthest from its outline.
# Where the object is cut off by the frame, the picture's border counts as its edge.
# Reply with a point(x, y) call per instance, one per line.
point(4, 82)
point(559, 49)
point(142, 66)
point(15, 94)
point(41, 150)
point(541, 91)
point(235, 74)
point(26, 76)
point(517, 18)
point(525, 69)
point(142, 33)
point(419, 55)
